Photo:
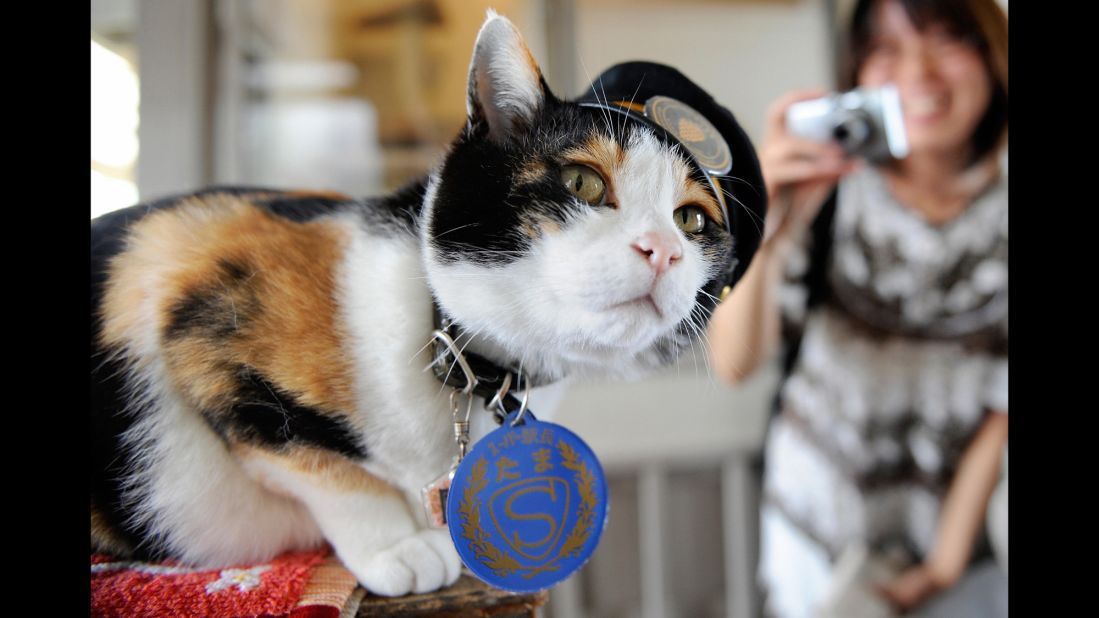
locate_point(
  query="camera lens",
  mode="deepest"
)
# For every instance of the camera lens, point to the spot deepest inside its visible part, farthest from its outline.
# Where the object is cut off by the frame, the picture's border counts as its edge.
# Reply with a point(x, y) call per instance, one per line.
point(851, 130)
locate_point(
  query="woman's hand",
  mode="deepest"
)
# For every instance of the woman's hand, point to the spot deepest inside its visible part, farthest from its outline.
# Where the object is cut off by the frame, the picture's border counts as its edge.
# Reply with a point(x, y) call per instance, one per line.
point(912, 588)
point(799, 173)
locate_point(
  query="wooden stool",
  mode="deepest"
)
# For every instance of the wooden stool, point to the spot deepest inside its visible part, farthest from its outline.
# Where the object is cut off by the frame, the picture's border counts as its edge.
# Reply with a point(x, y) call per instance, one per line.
point(468, 596)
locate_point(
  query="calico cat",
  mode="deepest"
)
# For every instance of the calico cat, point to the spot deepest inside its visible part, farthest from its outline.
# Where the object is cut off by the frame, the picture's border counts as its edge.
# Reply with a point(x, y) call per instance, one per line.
point(258, 355)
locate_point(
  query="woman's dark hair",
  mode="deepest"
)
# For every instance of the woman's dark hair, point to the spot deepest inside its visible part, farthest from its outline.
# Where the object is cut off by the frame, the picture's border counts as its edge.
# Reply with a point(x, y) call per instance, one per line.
point(981, 22)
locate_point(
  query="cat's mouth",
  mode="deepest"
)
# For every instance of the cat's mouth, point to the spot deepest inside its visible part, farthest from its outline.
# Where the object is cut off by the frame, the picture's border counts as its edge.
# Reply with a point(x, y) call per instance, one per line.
point(644, 302)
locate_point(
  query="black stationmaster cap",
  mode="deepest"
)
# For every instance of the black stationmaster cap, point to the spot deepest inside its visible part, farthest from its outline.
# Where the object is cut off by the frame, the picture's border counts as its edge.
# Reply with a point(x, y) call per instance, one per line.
point(680, 112)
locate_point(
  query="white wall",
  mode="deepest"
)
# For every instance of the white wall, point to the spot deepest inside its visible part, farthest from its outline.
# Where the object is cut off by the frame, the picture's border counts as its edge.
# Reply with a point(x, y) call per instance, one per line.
point(745, 53)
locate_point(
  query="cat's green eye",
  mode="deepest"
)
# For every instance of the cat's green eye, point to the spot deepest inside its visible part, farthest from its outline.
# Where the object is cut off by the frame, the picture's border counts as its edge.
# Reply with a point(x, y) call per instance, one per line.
point(690, 219)
point(585, 183)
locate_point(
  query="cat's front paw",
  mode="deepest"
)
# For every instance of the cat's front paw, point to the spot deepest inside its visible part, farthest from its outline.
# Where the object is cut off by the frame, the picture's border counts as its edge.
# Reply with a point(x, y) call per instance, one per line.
point(423, 562)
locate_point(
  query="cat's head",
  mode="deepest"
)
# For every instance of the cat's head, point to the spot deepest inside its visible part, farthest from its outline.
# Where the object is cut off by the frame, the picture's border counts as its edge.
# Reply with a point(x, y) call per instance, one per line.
point(574, 236)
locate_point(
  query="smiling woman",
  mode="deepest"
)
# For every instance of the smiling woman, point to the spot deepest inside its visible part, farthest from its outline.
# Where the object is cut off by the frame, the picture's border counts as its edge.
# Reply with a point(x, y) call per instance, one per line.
point(949, 61)
point(888, 287)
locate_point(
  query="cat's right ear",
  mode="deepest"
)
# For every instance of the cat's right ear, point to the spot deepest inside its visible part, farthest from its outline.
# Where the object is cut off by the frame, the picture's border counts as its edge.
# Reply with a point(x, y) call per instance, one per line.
point(506, 87)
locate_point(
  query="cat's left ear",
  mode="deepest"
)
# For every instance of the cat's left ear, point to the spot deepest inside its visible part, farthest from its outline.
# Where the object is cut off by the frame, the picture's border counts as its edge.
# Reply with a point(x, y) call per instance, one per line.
point(506, 87)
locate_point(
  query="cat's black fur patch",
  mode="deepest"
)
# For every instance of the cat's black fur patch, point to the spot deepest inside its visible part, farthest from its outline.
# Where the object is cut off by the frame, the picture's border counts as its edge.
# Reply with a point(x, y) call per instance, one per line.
point(301, 209)
point(235, 271)
point(397, 213)
point(111, 459)
point(477, 181)
point(262, 413)
point(477, 184)
point(217, 310)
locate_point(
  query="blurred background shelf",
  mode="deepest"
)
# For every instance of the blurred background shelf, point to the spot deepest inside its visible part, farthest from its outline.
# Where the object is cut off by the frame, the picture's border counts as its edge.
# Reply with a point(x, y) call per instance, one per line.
point(682, 455)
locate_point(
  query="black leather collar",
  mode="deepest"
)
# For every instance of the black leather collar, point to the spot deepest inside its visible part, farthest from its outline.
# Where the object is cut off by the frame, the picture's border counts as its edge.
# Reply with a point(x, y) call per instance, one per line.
point(489, 376)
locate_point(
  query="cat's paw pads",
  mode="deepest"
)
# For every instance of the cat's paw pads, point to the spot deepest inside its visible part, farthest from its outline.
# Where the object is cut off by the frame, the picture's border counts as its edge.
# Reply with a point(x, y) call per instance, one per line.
point(420, 563)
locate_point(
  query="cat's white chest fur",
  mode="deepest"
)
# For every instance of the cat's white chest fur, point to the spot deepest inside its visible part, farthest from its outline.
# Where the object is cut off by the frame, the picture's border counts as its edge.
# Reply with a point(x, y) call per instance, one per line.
point(403, 410)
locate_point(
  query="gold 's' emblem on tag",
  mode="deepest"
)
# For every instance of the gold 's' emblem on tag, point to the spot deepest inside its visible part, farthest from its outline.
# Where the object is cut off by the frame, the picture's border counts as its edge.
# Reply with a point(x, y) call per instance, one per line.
point(507, 505)
point(527, 506)
point(531, 531)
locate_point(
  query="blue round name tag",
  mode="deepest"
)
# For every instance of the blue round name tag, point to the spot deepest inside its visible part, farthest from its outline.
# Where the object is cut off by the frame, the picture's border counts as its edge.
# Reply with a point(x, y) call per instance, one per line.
point(527, 505)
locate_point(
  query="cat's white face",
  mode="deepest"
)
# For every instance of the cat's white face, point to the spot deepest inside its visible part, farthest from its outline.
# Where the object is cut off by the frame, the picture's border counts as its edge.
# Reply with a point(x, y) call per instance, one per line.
point(599, 291)
point(567, 279)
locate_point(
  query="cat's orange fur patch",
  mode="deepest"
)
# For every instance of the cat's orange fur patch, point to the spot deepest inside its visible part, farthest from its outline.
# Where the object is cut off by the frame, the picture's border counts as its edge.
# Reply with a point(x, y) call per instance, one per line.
point(531, 172)
point(528, 230)
point(535, 226)
point(601, 153)
point(200, 371)
point(531, 62)
point(549, 226)
point(693, 192)
point(293, 333)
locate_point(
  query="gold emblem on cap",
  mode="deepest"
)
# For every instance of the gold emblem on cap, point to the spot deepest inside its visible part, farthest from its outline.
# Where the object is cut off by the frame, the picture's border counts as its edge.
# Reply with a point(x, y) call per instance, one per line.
point(689, 131)
point(691, 128)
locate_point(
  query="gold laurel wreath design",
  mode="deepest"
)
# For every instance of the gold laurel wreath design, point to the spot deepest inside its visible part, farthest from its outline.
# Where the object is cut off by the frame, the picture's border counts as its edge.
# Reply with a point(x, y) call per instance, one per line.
point(501, 563)
point(470, 512)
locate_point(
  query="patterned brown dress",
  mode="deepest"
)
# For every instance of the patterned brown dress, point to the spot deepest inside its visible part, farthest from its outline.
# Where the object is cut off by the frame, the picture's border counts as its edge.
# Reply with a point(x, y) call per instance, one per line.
point(896, 333)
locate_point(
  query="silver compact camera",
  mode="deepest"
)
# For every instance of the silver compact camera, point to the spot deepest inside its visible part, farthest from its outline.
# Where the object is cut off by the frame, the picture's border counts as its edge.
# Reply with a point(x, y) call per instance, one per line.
point(867, 122)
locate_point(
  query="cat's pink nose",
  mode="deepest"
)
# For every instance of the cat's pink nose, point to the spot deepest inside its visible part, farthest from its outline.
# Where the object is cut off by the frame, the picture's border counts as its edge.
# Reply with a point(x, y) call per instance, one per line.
point(659, 249)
